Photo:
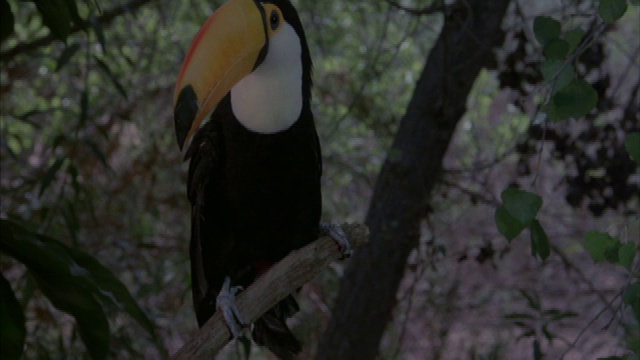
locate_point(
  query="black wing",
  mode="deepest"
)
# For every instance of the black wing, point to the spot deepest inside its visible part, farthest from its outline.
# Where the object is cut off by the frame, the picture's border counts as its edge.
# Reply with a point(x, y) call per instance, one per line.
point(205, 172)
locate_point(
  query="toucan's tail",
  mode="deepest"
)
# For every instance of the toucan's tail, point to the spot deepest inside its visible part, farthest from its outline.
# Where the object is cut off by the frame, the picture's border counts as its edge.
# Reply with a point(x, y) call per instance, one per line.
point(271, 330)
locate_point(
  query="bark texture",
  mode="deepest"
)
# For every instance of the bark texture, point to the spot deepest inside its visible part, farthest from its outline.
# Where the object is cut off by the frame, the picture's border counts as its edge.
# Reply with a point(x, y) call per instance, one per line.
point(367, 294)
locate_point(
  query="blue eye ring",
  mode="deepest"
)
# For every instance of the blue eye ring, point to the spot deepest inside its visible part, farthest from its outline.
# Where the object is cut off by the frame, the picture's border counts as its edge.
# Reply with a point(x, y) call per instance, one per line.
point(274, 20)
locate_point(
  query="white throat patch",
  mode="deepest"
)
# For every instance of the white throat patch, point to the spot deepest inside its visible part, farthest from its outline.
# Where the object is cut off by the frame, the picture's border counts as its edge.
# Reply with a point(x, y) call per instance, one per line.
point(269, 100)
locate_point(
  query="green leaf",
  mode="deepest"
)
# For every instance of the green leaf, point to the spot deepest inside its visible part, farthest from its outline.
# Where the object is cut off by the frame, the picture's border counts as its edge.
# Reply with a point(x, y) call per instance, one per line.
point(632, 144)
point(73, 11)
point(556, 49)
point(12, 322)
point(532, 300)
point(539, 240)
point(50, 175)
point(557, 73)
point(537, 351)
point(84, 107)
point(634, 2)
point(547, 333)
point(612, 10)
point(574, 38)
point(546, 29)
point(521, 204)
point(55, 15)
point(626, 254)
point(97, 29)
point(246, 346)
point(109, 289)
point(6, 20)
point(631, 297)
point(111, 76)
point(598, 244)
point(575, 100)
point(92, 323)
point(507, 225)
point(519, 316)
point(633, 343)
point(556, 315)
point(95, 149)
point(59, 265)
point(66, 55)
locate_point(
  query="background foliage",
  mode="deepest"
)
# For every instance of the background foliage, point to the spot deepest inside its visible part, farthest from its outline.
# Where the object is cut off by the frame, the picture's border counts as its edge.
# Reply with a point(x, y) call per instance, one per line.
point(88, 156)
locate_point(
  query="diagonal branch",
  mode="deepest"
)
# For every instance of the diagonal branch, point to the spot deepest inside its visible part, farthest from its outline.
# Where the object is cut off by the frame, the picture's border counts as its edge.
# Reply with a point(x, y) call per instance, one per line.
point(298, 268)
point(105, 18)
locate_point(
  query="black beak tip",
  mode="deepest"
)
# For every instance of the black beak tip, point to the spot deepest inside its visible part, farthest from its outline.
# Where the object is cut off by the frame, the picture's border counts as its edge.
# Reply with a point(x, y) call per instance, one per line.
point(184, 113)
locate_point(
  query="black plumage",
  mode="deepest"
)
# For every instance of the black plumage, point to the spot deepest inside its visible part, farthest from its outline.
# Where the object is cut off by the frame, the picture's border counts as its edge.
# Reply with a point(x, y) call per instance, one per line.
point(255, 198)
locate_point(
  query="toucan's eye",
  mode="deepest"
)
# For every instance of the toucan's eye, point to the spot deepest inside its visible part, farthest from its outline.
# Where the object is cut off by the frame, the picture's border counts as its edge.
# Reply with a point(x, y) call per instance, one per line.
point(274, 20)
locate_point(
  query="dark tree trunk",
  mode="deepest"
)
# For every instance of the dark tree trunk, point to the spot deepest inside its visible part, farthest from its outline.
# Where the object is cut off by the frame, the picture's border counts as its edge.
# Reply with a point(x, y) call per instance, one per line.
point(367, 293)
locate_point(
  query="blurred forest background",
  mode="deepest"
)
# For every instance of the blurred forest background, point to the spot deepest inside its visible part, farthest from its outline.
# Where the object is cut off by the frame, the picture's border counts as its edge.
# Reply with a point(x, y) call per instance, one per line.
point(88, 156)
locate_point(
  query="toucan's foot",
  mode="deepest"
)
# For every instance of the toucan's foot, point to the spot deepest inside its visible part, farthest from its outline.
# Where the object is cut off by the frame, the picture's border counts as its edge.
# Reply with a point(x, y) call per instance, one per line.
point(226, 302)
point(337, 234)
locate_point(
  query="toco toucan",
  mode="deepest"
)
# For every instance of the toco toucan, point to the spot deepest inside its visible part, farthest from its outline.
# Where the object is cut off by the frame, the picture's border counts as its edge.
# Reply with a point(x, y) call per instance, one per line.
point(242, 111)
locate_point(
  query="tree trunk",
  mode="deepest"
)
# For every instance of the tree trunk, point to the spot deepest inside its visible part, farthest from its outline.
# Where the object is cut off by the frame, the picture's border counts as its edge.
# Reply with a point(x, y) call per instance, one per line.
point(367, 294)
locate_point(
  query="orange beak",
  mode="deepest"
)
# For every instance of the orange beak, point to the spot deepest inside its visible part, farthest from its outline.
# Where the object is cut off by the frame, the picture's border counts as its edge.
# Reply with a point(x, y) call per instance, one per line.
point(226, 49)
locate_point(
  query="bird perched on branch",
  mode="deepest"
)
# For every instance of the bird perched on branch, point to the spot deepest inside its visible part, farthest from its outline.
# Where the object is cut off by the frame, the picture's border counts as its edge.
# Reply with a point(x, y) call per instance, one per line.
point(242, 111)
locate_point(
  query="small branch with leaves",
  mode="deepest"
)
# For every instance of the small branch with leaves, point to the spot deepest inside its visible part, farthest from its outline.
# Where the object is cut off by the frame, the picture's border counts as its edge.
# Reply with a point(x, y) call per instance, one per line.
point(298, 268)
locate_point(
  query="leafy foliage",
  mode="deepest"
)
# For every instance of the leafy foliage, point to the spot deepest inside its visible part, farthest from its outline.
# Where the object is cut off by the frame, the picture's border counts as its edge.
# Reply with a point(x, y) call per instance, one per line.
point(518, 211)
point(87, 156)
point(74, 282)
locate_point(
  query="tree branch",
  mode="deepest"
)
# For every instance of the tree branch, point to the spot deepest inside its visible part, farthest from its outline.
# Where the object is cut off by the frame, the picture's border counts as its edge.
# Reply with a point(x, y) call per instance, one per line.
point(282, 279)
point(105, 18)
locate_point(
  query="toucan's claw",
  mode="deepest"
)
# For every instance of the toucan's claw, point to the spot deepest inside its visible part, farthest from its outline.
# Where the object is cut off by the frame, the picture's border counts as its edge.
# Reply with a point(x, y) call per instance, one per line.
point(337, 233)
point(226, 302)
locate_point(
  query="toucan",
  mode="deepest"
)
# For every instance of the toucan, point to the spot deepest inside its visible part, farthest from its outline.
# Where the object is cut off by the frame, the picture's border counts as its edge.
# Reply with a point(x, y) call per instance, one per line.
point(242, 114)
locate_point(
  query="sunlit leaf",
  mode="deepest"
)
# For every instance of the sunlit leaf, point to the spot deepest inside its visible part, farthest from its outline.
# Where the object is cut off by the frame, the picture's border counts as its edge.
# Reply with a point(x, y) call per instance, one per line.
point(632, 144)
point(539, 240)
point(612, 10)
point(521, 204)
point(598, 244)
point(12, 322)
point(546, 29)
